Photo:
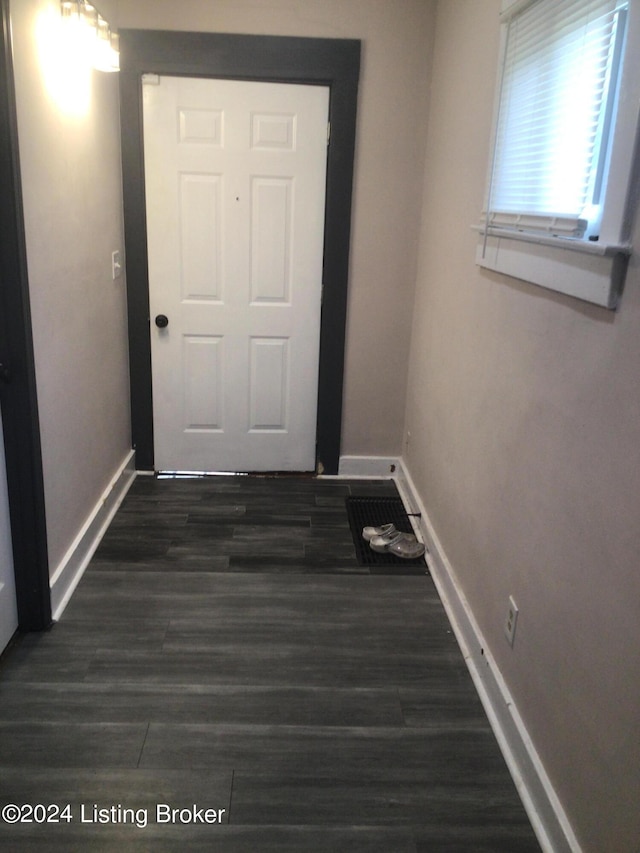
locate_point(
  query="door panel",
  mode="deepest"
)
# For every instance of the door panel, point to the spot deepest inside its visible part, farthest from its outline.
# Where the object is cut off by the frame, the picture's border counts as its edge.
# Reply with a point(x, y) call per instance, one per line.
point(200, 238)
point(269, 383)
point(271, 251)
point(202, 383)
point(235, 175)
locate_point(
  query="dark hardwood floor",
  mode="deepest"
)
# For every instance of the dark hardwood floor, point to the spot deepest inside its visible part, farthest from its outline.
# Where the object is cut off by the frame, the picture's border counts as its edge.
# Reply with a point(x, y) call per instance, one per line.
point(224, 650)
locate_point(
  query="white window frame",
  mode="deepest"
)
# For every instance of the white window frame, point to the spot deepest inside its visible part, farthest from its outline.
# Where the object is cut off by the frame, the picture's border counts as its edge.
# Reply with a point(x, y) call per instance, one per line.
point(592, 271)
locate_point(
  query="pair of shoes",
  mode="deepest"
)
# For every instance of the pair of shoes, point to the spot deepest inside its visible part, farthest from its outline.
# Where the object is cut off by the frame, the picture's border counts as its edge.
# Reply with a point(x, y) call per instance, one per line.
point(404, 545)
point(387, 539)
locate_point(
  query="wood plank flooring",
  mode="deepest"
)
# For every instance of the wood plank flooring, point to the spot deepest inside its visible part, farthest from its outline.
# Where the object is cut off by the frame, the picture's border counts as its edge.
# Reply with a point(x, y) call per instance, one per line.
point(224, 650)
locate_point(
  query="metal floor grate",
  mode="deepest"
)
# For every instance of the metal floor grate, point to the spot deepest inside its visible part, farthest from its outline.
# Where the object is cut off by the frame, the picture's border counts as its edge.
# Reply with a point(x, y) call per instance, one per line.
point(363, 512)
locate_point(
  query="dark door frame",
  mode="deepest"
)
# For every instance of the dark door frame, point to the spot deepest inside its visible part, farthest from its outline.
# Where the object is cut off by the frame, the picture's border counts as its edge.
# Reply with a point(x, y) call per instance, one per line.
point(330, 62)
point(21, 425)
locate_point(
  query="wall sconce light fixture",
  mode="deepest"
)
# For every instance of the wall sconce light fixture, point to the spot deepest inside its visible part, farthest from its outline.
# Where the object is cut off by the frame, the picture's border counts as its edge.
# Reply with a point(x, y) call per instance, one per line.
point(92, 34)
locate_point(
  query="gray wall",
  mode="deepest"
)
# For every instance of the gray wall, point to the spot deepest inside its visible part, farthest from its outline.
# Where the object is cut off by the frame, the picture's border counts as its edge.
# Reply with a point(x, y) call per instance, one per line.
point(524, 414)
point(70, 159)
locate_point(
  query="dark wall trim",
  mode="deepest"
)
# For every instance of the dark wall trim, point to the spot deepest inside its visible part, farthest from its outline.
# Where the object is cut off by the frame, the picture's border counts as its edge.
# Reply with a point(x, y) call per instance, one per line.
point(331, 62)
point(21, 426)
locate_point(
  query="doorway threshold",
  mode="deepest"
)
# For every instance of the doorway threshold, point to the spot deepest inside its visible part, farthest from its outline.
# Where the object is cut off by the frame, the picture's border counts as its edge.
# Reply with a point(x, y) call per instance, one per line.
point(198, 475)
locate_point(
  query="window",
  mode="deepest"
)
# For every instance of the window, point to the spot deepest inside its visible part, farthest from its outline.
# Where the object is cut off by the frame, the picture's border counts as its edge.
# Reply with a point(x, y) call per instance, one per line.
point(556, 210)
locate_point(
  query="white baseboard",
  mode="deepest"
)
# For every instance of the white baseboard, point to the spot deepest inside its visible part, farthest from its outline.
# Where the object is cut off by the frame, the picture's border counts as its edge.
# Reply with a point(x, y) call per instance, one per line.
point(72, 566)
point(540, 800)
point(368, 466)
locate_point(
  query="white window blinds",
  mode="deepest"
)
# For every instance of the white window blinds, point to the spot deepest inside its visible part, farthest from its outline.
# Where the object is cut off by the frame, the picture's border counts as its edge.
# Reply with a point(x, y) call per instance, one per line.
point(556, 107)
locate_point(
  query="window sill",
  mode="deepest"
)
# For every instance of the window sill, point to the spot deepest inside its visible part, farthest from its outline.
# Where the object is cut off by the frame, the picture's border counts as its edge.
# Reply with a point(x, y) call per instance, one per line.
point(593, 272)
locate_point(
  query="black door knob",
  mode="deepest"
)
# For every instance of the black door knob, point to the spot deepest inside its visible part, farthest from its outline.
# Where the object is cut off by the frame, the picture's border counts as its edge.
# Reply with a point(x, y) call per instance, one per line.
point(162, 321)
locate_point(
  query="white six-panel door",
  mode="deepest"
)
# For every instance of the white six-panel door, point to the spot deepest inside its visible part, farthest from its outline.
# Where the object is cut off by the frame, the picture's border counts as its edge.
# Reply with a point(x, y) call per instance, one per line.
point(235, 187)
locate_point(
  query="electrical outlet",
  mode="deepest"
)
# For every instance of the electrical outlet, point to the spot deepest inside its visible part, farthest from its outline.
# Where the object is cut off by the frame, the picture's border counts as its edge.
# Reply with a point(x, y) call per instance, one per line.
point(511, 621)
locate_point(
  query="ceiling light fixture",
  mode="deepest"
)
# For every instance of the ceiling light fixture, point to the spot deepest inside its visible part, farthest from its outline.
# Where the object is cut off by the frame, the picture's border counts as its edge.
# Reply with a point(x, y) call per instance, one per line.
point(92, 34)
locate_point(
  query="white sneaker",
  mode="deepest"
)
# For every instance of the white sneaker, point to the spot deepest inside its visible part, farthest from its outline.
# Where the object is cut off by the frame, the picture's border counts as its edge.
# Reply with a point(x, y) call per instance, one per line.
point(408, 549)
point(382, 544)
point(369, 533)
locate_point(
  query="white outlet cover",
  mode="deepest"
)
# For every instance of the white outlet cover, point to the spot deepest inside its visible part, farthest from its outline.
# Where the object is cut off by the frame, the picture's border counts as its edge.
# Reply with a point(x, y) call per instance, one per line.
point(116, 265)
point(511, 621)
